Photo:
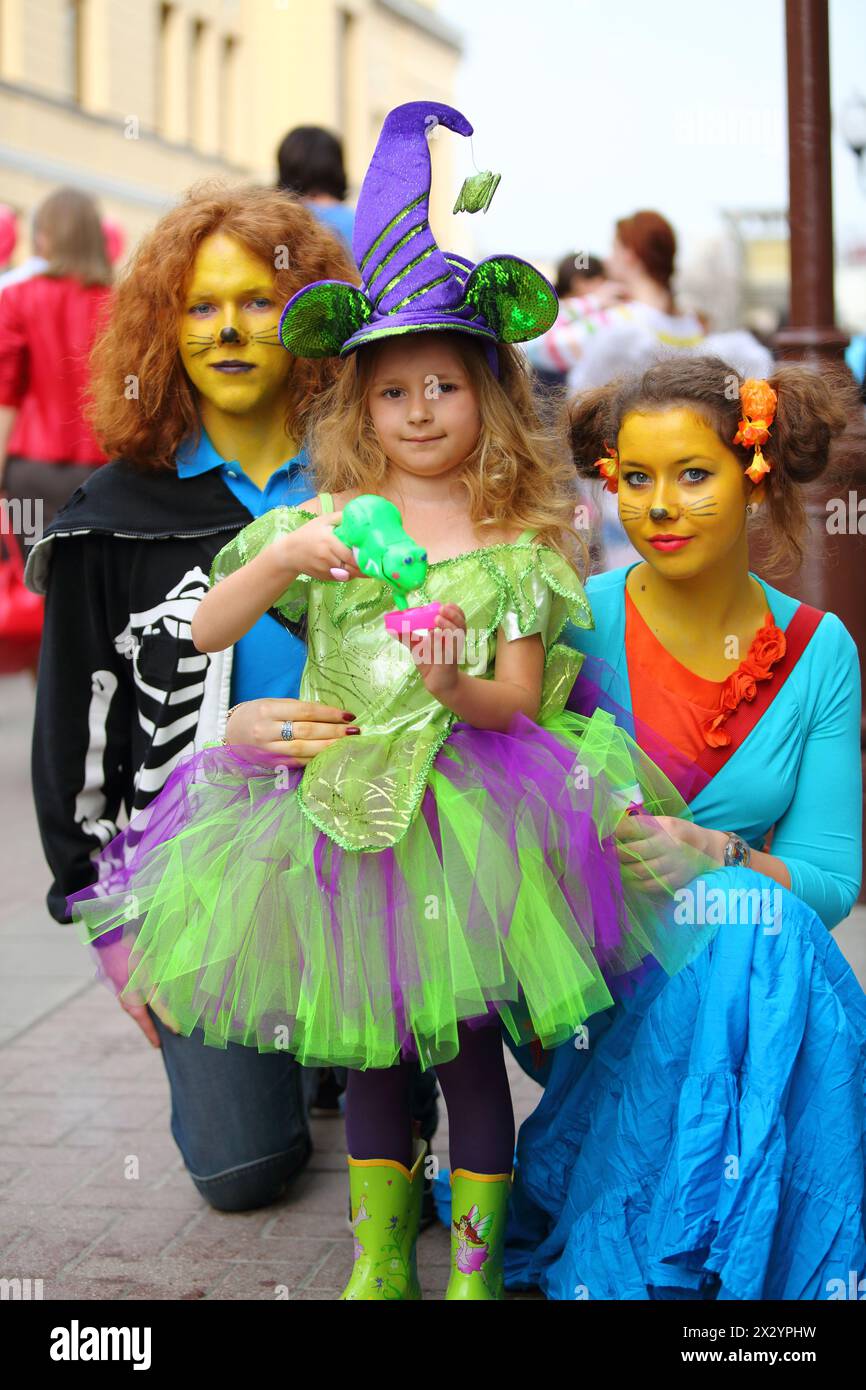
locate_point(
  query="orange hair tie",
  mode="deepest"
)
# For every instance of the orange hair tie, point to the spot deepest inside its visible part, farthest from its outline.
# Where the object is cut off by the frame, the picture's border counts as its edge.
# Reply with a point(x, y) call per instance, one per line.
point(609, 469)
point(758, 401)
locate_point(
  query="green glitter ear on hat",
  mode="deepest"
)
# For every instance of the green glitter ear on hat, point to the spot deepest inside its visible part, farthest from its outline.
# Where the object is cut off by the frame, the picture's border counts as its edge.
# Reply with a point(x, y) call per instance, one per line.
point(513, 296)
point(322, 317)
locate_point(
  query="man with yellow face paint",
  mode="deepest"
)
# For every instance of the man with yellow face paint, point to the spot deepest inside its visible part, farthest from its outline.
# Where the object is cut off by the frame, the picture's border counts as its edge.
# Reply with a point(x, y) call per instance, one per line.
point(683, 1145)
point(227, 331)
point(201, 410)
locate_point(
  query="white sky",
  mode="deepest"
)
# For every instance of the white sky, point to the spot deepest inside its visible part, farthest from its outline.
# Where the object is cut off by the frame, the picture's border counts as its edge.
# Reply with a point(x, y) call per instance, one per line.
point(591, 109)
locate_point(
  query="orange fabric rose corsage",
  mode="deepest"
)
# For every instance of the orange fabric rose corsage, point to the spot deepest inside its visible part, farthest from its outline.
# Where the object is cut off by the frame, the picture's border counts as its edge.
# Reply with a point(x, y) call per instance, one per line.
point(609, 470)
point(768, 647)
point(758, 401)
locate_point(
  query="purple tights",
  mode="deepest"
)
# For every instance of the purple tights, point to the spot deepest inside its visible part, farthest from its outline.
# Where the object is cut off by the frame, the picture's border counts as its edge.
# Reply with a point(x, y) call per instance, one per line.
point(477, 1094)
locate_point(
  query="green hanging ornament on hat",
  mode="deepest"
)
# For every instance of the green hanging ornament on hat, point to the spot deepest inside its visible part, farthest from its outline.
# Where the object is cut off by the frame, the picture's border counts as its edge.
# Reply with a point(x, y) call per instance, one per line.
point(477, 192)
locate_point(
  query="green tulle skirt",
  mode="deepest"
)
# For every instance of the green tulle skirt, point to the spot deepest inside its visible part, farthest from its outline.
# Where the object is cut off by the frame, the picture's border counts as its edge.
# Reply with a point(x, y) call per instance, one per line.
point(228, 911)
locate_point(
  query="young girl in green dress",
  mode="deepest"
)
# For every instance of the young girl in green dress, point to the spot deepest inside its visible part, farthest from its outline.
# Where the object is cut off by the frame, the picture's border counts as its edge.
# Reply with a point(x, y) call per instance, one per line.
point(455, 865)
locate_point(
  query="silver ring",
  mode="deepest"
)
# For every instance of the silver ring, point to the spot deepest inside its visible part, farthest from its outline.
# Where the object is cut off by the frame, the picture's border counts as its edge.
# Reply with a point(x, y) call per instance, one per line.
point(286, 731)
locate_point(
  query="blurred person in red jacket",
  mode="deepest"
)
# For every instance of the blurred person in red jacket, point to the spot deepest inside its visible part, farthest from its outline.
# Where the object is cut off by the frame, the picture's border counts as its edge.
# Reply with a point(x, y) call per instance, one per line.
point(48, 324)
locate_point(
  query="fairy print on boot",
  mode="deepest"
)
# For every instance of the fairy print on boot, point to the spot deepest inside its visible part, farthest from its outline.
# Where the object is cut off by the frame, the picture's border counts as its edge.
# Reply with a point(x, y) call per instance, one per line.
point(386, 1211)
point(479, 1204)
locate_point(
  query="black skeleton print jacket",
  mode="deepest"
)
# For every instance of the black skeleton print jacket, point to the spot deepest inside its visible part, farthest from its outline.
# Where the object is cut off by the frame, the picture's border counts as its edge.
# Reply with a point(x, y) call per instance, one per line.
point(122, 692)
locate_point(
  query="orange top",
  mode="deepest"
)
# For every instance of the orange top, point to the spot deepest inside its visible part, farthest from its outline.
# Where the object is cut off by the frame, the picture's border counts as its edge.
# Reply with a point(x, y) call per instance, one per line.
point(687, 710)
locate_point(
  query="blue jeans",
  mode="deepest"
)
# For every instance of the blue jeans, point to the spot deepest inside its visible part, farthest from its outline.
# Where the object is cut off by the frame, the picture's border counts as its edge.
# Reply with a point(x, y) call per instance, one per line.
point(240, 1117)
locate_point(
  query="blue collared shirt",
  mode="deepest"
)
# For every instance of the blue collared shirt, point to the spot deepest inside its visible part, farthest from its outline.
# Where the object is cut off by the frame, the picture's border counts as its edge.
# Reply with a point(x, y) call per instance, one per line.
point(268, 660)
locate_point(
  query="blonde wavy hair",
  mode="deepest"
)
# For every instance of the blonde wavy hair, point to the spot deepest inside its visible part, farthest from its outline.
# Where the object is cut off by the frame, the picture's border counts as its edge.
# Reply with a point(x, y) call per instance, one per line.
point(520, 473)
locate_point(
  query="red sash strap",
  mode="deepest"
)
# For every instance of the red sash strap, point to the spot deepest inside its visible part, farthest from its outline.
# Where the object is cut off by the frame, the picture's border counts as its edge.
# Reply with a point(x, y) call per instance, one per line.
point(744, 718)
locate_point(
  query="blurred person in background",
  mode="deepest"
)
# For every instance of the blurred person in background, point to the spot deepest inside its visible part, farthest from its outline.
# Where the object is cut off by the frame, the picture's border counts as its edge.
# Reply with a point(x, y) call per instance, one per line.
point(579, 274)
point(310, 164)
point(48, 323)
point(637, 292)
point(31, 265)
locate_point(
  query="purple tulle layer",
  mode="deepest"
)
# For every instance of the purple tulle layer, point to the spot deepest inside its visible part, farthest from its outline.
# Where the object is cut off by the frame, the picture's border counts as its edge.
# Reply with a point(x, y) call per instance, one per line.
point(507, 807)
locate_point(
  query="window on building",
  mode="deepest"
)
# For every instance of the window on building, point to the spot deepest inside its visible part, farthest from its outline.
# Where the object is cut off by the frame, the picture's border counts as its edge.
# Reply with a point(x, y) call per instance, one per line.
point(161, 63)
point(195, 83)
point(345, 35)
point(229, 106)
point(73, 49)
point(163, 67)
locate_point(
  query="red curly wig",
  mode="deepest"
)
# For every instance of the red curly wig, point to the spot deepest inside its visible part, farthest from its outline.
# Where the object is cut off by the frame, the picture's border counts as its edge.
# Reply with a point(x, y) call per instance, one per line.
point(139, 341)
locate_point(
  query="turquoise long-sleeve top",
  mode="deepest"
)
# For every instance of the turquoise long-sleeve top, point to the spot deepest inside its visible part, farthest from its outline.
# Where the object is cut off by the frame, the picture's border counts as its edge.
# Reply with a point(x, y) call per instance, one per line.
point(799, 767)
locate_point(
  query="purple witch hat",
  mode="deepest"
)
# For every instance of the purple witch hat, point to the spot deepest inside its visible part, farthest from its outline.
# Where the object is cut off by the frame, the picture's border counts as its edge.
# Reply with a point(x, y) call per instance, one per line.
point(409, 285)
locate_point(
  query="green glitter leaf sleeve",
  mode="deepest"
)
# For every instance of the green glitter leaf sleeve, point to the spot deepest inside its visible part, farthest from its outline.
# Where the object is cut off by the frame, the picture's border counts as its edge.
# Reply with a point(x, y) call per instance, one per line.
point(252, 540)
point(544, 593)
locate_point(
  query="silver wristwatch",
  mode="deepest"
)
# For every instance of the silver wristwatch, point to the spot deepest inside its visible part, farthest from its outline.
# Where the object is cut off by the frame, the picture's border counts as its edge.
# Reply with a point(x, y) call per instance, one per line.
point(737, 852)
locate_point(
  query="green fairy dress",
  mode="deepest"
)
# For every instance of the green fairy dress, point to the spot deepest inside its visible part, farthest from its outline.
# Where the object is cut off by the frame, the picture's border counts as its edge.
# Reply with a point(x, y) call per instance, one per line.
point(419, 874)
point(365, 793)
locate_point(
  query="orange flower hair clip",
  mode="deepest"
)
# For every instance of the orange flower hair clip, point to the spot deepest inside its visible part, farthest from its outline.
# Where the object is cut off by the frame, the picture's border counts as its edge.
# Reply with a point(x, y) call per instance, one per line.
point(609, 469)
point(758, 401)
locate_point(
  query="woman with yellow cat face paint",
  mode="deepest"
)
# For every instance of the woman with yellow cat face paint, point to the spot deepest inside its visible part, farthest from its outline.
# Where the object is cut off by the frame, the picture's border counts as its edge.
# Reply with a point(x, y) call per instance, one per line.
point(705, 1138)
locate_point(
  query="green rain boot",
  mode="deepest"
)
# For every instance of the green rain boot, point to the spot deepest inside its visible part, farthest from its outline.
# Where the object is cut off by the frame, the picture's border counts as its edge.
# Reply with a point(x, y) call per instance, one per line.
point(386, 1211)
point(479, 1204)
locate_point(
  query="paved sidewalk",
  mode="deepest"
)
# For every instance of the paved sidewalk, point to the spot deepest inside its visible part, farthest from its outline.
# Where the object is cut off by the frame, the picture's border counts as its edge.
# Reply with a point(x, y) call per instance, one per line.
point(94, 1199)
point(96, 1202)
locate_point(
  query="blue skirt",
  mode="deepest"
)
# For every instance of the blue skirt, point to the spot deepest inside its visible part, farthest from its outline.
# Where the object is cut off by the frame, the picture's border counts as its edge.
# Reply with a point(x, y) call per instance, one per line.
point(710, 1140)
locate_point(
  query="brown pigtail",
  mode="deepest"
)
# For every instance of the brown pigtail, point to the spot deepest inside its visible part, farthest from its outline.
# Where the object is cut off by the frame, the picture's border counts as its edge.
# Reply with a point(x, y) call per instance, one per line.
point(593, 427)
point(813, 409)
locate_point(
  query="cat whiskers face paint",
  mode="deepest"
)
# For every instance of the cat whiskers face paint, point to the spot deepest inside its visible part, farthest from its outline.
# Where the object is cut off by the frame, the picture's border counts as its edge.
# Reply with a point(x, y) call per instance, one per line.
point(228, 326)
point(628, 511)
point(672, 462)
point(197, 345)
